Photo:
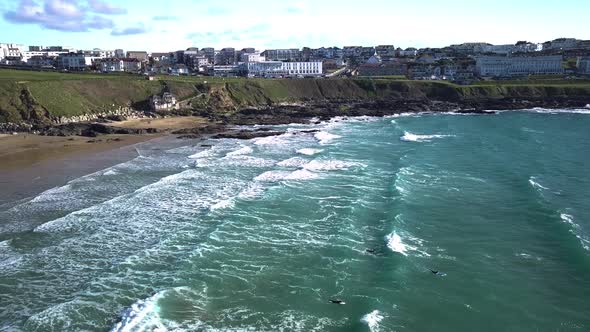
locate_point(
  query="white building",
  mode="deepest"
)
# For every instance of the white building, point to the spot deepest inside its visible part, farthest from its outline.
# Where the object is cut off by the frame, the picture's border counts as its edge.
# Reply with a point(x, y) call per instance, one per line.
point(165, 103)
point(110, 65)
point(278, 68)
point(75, 61)
point(11, 50)
point(26, 56)
point(252, 57)
point(501, 66)
point(98, 53)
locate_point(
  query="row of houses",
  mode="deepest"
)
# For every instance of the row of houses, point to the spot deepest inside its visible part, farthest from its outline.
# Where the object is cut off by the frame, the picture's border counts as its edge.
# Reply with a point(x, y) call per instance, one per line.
point(455, 62)
point(514, 66)
point(466, 70)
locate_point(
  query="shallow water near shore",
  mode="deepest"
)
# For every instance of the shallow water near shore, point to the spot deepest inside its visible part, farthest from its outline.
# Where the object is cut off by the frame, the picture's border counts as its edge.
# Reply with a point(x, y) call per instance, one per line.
point(260, 235)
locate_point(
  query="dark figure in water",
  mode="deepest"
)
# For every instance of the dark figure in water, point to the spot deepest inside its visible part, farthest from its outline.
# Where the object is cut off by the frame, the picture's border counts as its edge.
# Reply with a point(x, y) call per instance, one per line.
point(438, 273)
point(337, 302)
point(371, 251)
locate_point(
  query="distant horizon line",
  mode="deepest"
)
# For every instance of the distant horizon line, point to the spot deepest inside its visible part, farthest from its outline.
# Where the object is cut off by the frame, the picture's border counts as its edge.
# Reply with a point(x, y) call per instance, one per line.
point(299, 48)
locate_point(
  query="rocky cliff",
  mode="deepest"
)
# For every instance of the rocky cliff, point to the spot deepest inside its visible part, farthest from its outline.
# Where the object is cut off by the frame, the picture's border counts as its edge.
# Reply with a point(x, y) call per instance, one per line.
point(62, 101)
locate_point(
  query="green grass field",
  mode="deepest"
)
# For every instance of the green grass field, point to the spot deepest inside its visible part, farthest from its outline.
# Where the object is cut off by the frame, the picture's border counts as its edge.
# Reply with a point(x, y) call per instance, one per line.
point(71, 94)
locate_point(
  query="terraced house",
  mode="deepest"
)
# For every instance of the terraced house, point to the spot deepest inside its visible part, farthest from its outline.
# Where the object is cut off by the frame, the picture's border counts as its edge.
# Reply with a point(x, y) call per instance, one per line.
point(506, 66)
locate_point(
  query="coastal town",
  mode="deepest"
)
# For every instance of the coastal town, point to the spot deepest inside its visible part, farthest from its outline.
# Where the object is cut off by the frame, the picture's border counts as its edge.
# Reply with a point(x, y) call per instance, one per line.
point(461, 63)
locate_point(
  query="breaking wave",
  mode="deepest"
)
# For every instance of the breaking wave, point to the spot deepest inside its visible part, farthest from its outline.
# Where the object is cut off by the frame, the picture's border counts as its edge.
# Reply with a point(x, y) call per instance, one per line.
point(325, 137)
point(309, 151)
point(535, 183)
point(408, 244)
point(410, 137)
point(242, 151)
point(372, 320)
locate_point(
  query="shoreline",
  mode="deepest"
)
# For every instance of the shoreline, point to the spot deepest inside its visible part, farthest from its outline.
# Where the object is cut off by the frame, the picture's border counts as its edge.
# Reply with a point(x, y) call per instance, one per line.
point(31, 164)
point(31, 173)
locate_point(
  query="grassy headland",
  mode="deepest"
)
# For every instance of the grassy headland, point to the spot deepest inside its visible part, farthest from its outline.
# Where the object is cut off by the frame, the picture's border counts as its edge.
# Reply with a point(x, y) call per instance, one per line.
point(46, 96)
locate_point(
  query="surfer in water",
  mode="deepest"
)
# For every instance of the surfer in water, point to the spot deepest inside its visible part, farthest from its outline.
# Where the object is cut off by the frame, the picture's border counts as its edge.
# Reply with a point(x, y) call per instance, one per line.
point(438, 273)
point(337, 302)
point(374, 252)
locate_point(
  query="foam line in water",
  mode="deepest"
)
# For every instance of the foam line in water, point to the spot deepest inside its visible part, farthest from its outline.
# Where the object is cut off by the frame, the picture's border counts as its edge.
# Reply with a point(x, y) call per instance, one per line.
point(541, 110)
point(410, 137)
point(331, 165)
point(534, 182)
point(275, 176)
point(575, 229)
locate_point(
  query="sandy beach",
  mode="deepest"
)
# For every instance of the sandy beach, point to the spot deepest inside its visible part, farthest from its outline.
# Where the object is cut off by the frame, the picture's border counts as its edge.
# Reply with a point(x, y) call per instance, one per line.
point(23, 150)
point(30, 164)
point(165, 124)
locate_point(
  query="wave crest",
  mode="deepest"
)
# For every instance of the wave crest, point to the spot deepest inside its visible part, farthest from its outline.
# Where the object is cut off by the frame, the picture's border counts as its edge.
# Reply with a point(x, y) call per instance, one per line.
point(410, 137)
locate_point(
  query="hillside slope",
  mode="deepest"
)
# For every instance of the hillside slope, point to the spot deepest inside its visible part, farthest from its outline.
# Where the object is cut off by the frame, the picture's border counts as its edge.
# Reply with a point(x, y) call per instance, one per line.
point(48, 97)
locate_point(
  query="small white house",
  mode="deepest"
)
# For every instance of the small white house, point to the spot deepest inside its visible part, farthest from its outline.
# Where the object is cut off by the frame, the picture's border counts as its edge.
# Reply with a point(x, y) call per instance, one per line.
point(166, 102)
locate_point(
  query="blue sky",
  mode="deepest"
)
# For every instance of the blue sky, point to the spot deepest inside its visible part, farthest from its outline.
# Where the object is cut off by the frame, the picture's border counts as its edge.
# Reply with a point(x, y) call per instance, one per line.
point(170, 25)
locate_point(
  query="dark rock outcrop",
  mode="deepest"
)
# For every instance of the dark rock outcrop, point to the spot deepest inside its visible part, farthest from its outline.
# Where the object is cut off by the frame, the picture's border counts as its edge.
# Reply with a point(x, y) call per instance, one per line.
point(92, 130)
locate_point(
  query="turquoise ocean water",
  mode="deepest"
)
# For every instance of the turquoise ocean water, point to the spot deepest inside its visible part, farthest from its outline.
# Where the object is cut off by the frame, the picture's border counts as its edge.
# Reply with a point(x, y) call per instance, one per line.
point(260, 235)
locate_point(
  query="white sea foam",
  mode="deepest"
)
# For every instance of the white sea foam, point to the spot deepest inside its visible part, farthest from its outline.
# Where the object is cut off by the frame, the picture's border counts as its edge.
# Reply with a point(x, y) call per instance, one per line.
point(330, 165)
point(541, 110)
point(410, 137)
point(301, 174)
point(141, 316)
point(52, 194)
point(309, 151)
point(202, 154)
point(223, 204)
point(244, 150)
point(244, 161)
point(526, 256)
point(394, 242)
point(272, 176)
point(275, 176)
point(271, 140)
point(254, 190)
point(292, 162)
point(575, 229)
point(408, 114)
point(534, 182)
point(110, 172)
point(407, 244)
point(372, 320)
point(568, 219)
point(325, 137)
